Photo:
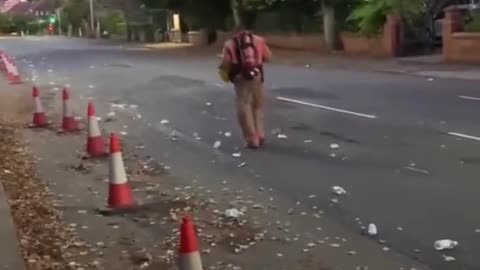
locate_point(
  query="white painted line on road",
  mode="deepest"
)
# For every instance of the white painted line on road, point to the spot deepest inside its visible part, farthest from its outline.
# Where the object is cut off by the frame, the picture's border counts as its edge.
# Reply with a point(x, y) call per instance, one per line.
point(470, 98)
point(465, 136)
point(326, 107)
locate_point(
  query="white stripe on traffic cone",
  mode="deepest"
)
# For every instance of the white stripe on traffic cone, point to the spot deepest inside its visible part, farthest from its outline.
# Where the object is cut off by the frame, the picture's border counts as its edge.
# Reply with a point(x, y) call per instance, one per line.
point(95, 144)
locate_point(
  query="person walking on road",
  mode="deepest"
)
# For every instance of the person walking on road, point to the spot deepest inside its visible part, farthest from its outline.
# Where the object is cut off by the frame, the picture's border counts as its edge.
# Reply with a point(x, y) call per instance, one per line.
point(243, 59)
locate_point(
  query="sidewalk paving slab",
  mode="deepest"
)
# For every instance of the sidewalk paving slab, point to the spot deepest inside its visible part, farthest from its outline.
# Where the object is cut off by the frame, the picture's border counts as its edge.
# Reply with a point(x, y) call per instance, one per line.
point(10, 255)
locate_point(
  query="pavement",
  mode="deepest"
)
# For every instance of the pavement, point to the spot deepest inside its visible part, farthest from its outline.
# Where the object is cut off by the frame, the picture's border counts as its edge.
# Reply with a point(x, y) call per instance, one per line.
point(10, 256)
point(405, 147)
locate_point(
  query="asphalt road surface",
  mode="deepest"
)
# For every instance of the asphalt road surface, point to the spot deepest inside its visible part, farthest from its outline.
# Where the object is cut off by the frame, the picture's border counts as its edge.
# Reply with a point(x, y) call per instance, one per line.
point(408, 147)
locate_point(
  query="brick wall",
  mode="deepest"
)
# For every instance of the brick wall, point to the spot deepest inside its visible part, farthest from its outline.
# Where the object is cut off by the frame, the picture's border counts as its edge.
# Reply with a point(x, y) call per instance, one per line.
point(458, 46)
point(361, 45)
point(387, 44)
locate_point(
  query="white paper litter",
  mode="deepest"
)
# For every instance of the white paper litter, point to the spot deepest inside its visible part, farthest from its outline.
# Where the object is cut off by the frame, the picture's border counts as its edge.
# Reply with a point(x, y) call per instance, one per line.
point(124, 133)
point(228, 134)
point(164, 122)
point(445, 244)
point(91, 86)
point(233, 213)
point(282, 136)
point(308, 141)
point(338, 190)
point(217, 144)
point(237, 155)
point(448, 258)
point(334, 146)
point(111, 114)
point(118, 106)
point(209, 104)
point(372, 229)
point(243, 164)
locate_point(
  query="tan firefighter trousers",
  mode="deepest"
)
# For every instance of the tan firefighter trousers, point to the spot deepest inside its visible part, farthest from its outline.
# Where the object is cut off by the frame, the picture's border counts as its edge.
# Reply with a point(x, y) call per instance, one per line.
point(250, 102)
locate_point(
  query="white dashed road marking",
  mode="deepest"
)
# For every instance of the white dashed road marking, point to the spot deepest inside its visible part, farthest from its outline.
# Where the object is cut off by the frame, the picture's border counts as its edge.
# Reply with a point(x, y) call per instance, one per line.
point(326, 107)
point(465, 136)
point(470, 98)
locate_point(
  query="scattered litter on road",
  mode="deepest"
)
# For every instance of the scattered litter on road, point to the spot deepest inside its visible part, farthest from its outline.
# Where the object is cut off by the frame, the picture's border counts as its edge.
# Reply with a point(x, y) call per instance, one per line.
point(337, 190)
point(237, 155)
point(307, 141)
point(7, 171)
point(91, 86)
point(233, 213)
point(282, 136)
point(133, 106)
point(82, 211)
point(399, 228)
point(217, 144)
point(312, 196)
point(124, 133)
point(352, 252)
point(448, 258)
point(445, 244)
point(50, 70)
point(208, 104)
point(413, 169)
point(334, 146)
point(372, 229)
point(385, 248)
point(279, 255)
point(334, 201)
point(164, 122)
point(228, 134)
point(307, 66)
point(430, 79)
point(243, 164)
point(118, 106)
point(335, 245)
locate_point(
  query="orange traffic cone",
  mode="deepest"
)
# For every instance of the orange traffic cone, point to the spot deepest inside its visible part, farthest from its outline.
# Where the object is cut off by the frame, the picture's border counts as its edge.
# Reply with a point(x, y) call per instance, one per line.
point(12, 72)
point(39, 117)
point(120, 195)
point(2, 62)
point(69, 123)
point(189, 257)
point(95, 143)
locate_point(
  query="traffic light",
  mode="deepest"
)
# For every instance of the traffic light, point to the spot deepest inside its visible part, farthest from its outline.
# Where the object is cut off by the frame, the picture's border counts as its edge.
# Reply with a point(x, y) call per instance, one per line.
point(52, 19)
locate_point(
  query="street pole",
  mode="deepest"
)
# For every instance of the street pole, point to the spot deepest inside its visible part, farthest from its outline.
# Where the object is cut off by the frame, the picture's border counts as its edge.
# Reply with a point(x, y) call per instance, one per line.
point(59, 16)
point(92, 20)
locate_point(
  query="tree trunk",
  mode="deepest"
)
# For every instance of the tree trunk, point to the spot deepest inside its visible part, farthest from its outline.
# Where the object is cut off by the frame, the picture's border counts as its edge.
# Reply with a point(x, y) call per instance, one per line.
point(329, 25)
point(236, 12)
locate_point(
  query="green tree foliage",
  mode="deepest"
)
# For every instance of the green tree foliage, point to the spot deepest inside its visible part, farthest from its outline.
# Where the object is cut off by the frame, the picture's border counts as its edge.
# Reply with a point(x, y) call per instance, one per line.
point(113, 22)
point(371, 16)
point(196, 14)
point(75, 12)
